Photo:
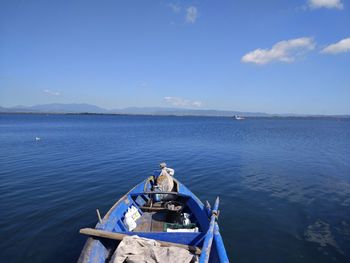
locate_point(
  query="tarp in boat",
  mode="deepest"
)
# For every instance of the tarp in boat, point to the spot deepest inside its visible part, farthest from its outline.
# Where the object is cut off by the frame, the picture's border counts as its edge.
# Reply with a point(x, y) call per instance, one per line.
point(134, 249)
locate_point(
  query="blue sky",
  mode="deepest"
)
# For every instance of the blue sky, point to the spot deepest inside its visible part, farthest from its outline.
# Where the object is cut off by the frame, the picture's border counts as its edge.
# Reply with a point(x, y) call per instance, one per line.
point(276, 56)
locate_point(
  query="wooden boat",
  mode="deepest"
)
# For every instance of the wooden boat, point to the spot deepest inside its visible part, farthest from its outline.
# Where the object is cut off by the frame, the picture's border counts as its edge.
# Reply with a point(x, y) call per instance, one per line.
point(155, 216)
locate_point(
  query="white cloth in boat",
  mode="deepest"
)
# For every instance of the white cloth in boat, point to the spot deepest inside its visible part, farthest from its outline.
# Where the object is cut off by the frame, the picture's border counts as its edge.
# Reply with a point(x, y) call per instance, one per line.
point(134, 249)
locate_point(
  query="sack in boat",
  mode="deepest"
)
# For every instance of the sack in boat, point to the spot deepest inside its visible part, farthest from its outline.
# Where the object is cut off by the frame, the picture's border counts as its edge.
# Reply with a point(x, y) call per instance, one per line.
point(134, 249)
point(165, 182)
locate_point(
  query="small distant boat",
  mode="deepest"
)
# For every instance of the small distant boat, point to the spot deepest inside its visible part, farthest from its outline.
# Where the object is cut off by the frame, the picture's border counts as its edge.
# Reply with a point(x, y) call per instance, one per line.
point(37, 138)
point(179, 220)
point(238, 118)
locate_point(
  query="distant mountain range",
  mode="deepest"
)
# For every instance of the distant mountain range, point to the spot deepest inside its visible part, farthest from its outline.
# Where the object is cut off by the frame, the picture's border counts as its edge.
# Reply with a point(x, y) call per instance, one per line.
point(56, 108)
point(88, 108)
point(81, 108)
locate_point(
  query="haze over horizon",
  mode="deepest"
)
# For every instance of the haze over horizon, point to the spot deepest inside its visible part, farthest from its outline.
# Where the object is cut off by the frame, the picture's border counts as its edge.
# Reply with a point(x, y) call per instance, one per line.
point(251, 56)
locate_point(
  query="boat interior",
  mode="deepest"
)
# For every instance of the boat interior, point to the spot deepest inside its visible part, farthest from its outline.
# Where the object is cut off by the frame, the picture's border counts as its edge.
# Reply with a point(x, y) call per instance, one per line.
point(163, 215)
point(156, 218)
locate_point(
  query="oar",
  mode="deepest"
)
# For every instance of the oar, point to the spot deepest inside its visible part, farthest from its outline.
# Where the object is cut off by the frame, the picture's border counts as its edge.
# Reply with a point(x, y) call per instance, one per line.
point(204, 258)
point(119, 236)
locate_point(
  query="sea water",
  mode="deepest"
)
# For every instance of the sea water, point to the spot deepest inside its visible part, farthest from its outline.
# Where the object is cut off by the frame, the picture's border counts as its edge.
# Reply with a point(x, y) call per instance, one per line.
point(284, 183)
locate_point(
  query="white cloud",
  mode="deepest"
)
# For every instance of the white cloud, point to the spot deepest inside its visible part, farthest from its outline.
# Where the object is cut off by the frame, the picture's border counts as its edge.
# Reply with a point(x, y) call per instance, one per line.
point(325, 4)
point(283, 51)
point(191, 14)
point(180, 102)
point(339, 47)
point(52, 93)
point(176, 8)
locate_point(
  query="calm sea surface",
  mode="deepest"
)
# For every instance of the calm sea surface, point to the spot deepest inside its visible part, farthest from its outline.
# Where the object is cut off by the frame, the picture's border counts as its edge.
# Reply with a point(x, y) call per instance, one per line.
point(284, 184)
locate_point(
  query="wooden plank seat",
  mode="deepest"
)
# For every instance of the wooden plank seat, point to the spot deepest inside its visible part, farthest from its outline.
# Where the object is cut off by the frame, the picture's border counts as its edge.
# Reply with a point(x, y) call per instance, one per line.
point(151, 222)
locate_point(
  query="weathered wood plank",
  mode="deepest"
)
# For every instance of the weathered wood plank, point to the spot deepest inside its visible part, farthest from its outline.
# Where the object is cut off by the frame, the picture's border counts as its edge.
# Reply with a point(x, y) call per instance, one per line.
point(153, 208)
point(161, 192)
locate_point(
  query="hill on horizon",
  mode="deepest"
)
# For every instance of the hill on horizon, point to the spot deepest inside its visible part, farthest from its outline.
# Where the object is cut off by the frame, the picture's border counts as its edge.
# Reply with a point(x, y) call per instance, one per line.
point(80, 108)
point(89, 108)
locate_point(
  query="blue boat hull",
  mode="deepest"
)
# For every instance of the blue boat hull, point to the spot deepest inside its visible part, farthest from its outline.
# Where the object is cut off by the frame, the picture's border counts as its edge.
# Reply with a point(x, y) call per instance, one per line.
point(208, 238)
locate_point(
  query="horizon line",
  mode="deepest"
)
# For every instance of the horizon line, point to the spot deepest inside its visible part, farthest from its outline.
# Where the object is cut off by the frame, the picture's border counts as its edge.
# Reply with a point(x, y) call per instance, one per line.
point(174, 109)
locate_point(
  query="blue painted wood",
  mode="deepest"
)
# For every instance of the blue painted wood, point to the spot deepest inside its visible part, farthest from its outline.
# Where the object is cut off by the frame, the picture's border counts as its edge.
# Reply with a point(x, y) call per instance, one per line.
point(207, 246)
point(219, 244)
point(209, 238)
point(216, 206)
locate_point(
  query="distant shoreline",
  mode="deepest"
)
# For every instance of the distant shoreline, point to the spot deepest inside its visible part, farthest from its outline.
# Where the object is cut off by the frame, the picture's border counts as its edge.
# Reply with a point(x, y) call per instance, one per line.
point(181, 115)
point(90, 109)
